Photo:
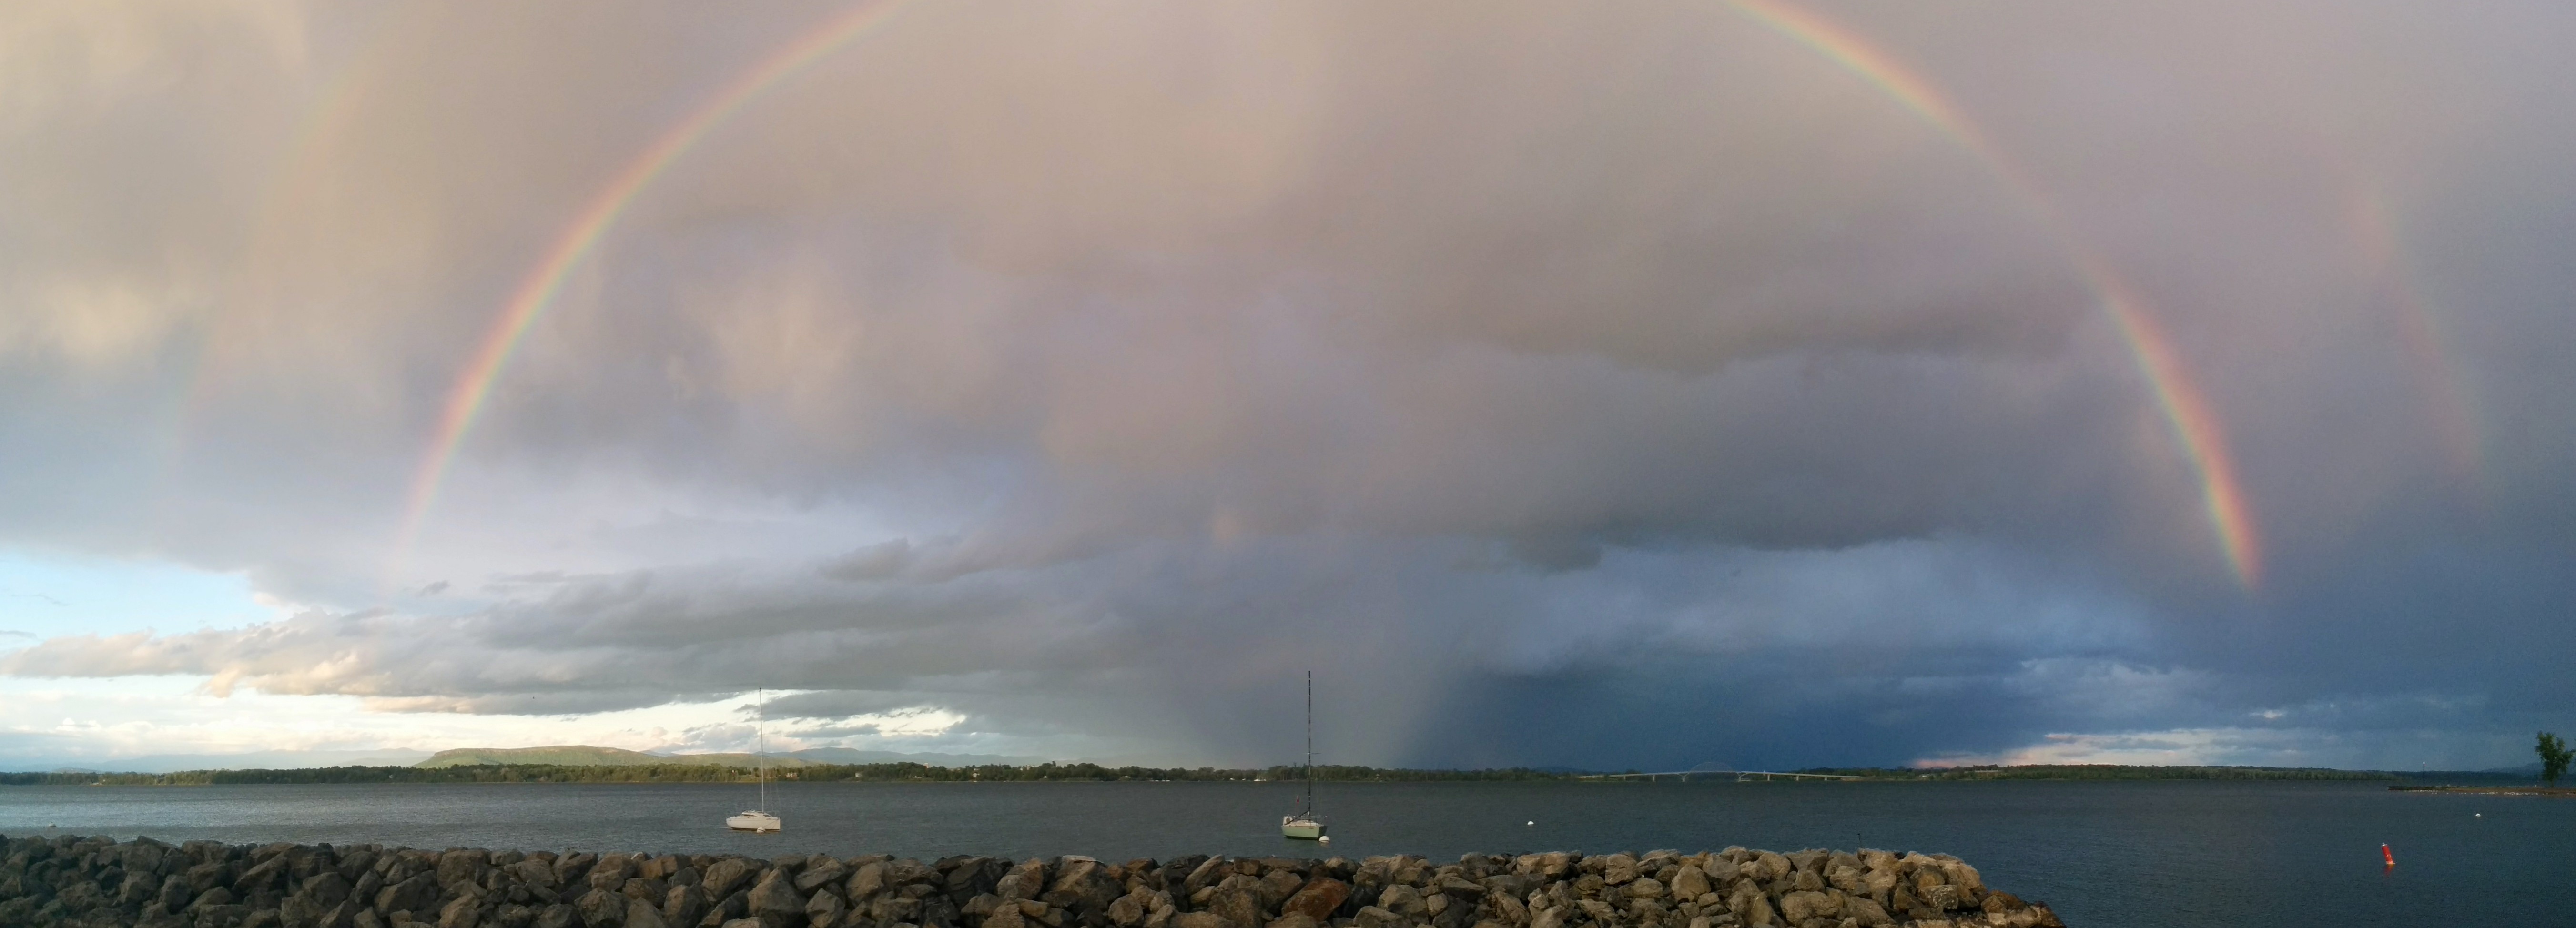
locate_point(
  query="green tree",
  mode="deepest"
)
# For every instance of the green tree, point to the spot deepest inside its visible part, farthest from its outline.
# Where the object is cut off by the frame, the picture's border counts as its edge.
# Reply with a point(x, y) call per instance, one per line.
point(2553, 757)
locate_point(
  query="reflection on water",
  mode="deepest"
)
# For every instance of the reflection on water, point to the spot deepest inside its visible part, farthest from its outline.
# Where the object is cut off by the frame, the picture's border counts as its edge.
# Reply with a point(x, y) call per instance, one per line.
point(2103, 854)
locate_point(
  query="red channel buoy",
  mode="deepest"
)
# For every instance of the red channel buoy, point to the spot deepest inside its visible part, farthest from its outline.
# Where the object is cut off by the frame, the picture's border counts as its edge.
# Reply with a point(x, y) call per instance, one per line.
point(2384, 854)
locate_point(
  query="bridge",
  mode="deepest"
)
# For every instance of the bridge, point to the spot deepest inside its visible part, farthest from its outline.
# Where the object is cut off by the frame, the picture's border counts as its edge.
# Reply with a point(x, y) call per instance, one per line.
point(1710, 770)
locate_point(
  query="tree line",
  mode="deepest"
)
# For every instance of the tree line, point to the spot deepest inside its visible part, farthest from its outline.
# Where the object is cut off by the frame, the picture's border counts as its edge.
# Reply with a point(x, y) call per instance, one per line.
point(718, 773)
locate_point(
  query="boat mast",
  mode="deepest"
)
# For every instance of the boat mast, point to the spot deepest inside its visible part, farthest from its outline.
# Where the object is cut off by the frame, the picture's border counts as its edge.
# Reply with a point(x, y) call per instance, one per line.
point(1310, 743)
point(760, 729)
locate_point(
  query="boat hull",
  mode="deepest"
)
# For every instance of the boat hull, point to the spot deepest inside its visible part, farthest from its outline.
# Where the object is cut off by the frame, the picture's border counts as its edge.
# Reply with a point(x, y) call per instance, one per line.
point(1301, 829)
point(761, 822)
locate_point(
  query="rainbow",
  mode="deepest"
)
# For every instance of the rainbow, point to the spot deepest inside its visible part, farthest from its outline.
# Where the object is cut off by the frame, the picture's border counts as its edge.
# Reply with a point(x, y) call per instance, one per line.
point(2455, 415)
point(537, 290)
point(323, 115)
point(2195, 424)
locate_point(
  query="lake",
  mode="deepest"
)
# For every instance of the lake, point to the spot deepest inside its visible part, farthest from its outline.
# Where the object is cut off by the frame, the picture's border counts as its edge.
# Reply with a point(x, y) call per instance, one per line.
point(2101, 853)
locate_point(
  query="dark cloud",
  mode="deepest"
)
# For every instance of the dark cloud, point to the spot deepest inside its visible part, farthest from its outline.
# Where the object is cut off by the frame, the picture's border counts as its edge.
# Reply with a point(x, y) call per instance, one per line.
point(1628, 385)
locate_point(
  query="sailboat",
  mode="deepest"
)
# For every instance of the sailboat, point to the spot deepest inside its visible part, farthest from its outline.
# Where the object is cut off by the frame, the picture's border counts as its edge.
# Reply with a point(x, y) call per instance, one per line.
point(1306, 824)
point(758, 820)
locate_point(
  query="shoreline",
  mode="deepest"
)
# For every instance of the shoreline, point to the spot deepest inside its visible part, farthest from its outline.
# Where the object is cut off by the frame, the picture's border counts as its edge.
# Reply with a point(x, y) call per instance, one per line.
point(691, 772)
point(68, 880)
point(2558, 792)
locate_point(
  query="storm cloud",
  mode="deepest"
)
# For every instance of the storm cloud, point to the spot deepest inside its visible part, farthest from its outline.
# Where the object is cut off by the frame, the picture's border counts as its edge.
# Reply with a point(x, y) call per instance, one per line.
point(1609, 386)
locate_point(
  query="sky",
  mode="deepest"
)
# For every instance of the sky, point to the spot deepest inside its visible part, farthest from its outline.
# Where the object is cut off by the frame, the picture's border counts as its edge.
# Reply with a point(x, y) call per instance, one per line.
point(1770, 383)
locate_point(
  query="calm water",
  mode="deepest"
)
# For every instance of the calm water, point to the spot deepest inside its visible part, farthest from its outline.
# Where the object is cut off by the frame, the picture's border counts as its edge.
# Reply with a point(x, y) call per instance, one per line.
point(2103, 854)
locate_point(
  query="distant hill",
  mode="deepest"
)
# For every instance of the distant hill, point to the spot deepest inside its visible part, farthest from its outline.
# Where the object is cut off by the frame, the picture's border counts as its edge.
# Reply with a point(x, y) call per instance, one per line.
point(568, 755)
point(582, 755)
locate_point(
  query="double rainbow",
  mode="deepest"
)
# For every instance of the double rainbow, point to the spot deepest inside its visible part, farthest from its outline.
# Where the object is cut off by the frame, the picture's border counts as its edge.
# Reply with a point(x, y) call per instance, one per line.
point(2197, 429)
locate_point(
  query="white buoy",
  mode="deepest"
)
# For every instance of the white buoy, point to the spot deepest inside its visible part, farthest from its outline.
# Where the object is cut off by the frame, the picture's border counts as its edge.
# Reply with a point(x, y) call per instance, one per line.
point(1323, 839)
point(1529, 823)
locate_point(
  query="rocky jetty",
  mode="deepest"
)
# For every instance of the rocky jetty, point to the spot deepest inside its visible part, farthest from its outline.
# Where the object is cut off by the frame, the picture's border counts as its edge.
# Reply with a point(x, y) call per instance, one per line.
point(204, 884)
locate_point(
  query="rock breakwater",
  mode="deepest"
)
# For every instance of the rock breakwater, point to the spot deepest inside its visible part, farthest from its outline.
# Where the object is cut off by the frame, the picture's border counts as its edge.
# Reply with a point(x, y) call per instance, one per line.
point(76, 881)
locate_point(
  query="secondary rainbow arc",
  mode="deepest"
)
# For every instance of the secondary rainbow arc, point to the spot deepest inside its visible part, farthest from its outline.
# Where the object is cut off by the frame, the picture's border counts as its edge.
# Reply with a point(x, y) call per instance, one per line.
point(2428, 348)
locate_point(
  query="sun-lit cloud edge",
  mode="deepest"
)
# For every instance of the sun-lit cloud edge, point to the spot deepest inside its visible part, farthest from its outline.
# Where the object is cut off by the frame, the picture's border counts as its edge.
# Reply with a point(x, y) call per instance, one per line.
point(132, 716)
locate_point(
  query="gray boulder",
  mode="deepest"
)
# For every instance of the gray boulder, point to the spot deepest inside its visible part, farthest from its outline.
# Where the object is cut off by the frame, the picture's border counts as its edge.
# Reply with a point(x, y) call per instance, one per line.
point(1238, 903)
point(370, 884)
point(299, 912)
point(462, 866)
point(1369, 917)
point(775, 901)
point(867, 880)
point(683, 906)
point(1277, 884)
point(642, 914)
point(600, 908)
point(1318, 899)
point(728, 908)
point(611, 872)
point(1206, 874)
point(464, 911)
point(823, 910)
point(1690, 882)
point(820, 872)
point(1800, 906)
point(726, 876)
point(412, 895)
point(326, 888)
point(348, 914)
point(1082, 883)
point(1618, 869)
point(907, 871)
point(207, 876)
point(1128, 912)
point(1404, 901)
point(973, 876)
point(175, 893)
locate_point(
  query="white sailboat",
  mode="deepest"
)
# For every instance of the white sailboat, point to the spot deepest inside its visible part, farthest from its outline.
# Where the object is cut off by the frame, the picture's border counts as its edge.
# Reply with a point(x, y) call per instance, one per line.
point(1306, 824)
point(758, 820)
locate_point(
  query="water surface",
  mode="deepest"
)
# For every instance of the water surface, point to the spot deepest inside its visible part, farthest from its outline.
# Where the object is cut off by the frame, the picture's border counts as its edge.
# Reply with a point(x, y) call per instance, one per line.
point(2101, 853)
